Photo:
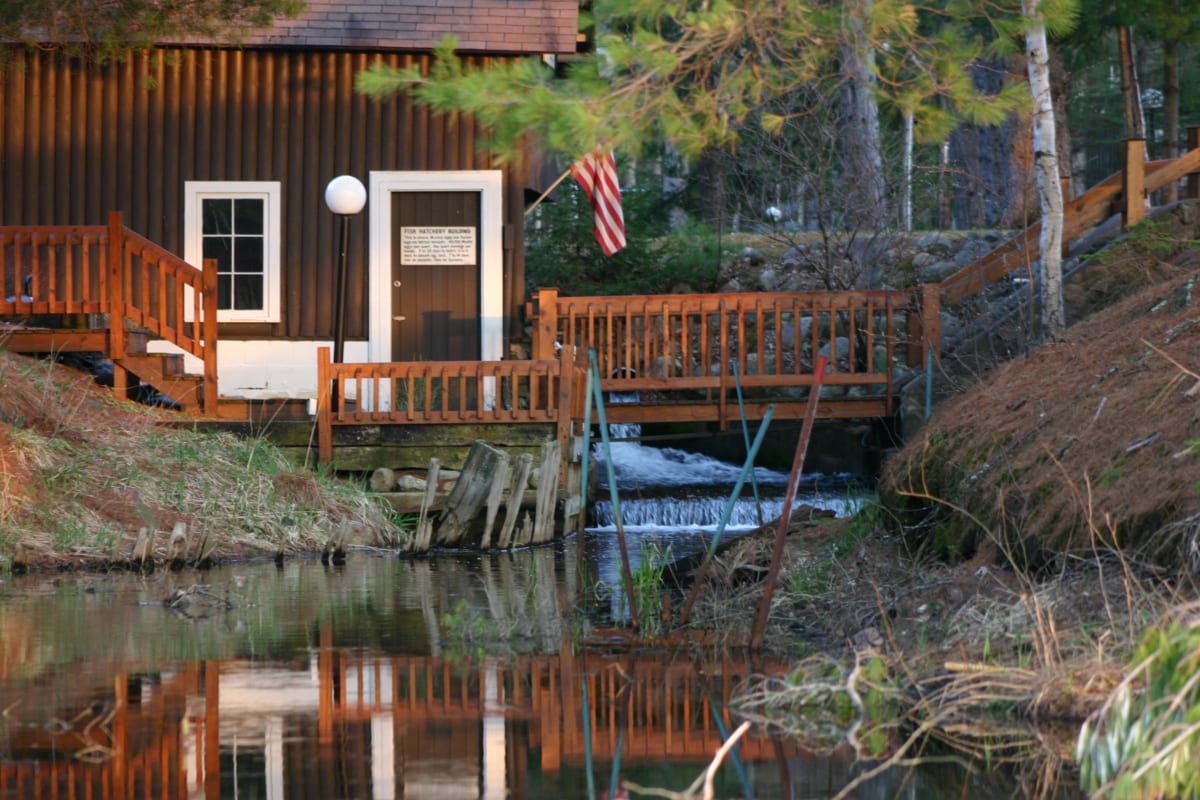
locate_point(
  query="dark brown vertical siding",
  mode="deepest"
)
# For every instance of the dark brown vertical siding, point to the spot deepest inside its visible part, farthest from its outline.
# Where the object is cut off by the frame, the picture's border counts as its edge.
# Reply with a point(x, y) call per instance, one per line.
point(140, 123)
point(79, 140)
point(93, 148)
point(170, 170)
point(81, 96)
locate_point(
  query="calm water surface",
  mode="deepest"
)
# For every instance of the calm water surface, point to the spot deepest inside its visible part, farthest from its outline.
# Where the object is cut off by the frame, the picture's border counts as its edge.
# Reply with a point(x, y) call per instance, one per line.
point(382, 678)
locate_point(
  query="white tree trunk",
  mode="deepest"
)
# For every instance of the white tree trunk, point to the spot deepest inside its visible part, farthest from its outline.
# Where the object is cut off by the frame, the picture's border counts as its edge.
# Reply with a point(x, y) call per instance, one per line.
point(907, 210)
point(1045, 155)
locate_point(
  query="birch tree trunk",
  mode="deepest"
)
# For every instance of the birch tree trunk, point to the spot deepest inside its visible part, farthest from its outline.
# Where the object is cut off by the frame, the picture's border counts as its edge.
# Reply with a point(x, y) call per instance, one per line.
point(1045, 155)
point(907, 208)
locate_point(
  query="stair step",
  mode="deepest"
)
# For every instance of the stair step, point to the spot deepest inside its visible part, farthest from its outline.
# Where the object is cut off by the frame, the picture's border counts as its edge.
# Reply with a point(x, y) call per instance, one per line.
point(262, 411)
point(146, 365)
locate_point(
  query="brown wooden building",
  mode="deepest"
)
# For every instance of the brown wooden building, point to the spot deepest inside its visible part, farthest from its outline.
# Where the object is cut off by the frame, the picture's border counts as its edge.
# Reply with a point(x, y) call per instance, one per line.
point(225, 152)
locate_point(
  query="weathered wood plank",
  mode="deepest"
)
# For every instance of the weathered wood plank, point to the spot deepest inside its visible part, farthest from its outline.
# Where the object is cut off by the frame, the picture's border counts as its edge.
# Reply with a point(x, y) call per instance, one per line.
point(515, 497)
point(424, 533)
point(470, 493)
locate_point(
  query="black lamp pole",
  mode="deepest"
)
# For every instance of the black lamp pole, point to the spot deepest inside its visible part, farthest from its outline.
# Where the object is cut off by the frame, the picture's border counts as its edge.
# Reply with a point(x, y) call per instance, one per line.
point(339, 309)
point(345, 196)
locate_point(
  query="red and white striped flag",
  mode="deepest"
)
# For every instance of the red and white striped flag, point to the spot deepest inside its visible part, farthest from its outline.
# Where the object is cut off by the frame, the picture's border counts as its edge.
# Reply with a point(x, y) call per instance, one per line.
point(597, 174)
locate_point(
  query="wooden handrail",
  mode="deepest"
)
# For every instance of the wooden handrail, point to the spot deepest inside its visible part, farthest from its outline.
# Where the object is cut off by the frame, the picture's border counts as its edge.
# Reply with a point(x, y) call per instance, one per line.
point(110, 269)
point(1122, 192)
point(447, 392)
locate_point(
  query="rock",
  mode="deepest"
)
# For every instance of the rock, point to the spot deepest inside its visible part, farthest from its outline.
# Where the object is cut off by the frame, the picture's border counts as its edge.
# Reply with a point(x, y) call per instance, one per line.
point(868, 638)
point(787, 333)
point(923, 259)
point(752, 257)
point(933, 242)
point(382, 480)
point(411, 483)
point(843, 348)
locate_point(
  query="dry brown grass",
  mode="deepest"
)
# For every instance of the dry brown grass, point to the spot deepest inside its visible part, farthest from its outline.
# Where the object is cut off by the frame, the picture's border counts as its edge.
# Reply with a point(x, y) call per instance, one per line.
point(83, 474)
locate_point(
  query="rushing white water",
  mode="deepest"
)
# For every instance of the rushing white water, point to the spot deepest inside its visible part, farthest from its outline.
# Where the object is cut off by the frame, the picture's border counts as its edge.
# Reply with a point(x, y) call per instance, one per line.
point(673, 501)
point(672, 489)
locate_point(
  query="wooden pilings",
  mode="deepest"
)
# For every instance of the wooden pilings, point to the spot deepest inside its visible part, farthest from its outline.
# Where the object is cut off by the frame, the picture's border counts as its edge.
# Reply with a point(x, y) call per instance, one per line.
point(492, 480)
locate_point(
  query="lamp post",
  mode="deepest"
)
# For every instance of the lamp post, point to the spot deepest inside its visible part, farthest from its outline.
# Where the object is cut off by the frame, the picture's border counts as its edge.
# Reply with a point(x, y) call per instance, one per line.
point(345, 196)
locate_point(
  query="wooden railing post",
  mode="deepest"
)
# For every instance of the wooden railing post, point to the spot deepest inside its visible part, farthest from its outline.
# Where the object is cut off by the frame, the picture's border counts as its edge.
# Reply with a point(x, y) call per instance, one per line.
point(208, 283)
point(931, 321)
point(568, 390)
point(1193, 179)
point(116, 302)
point(1133, 182)
point(545, 331)
point(324, 400)
point(566, 399)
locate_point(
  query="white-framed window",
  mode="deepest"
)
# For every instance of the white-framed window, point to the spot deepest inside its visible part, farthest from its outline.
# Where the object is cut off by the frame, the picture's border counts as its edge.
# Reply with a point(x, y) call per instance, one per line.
point(239, 224)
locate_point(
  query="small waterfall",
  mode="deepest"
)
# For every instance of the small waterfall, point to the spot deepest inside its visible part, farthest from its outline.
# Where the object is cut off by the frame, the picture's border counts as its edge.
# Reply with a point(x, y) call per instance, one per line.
point(672, 502)
point(704, 513)
point(668, 488)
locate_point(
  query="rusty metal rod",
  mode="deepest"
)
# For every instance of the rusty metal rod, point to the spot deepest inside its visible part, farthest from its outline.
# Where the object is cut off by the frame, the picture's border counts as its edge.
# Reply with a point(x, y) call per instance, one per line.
point(785, 517)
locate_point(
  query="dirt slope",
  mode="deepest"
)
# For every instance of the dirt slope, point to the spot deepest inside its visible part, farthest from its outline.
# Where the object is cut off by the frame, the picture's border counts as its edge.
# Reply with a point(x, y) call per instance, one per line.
point(1093, 436)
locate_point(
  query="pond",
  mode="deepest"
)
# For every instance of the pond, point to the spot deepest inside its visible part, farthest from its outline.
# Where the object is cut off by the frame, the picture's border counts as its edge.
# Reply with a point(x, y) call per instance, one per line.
point(384, 677)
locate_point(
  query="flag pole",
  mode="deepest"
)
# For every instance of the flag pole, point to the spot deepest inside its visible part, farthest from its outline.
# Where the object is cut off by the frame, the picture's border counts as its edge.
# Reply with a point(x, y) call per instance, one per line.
point(553, 186)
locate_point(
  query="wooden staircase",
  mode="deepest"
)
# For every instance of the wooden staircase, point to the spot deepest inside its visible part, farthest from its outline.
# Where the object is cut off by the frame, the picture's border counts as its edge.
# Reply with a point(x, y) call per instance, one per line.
point(109, 291)
point(155, 378)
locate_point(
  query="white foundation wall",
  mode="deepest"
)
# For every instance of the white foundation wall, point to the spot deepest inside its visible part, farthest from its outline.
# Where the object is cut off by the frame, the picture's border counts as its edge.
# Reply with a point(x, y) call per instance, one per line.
point(262, 369)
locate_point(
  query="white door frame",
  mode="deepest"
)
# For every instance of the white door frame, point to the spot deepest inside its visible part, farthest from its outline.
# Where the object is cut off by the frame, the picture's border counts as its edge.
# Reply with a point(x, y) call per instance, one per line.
point(491, 248)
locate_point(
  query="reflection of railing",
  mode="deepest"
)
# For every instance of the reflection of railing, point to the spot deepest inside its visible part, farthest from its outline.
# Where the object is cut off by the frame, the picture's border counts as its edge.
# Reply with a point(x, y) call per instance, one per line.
point(446, 392)
point(72, 270)
point(663, 709)
point(177, 735)
point(111, 749)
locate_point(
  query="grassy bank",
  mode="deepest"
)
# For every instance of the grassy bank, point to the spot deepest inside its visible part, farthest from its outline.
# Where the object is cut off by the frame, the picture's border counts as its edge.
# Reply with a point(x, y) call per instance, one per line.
point(85, 478)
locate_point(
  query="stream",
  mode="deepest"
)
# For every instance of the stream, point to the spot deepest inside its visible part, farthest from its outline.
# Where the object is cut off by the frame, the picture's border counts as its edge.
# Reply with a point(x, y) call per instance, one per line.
point(455, 676)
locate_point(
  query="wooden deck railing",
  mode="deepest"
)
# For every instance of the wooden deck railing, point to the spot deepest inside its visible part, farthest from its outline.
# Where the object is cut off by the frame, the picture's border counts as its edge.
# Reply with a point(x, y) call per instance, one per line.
point(111, 270)
point(448, 392)
point(708, 344)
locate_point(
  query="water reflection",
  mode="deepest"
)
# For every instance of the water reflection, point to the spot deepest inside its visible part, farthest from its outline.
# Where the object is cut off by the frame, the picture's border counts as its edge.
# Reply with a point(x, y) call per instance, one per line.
point(385, 678)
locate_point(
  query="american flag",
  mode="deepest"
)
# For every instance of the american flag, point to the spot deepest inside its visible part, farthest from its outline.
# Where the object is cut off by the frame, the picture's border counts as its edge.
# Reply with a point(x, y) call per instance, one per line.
point(597, 174)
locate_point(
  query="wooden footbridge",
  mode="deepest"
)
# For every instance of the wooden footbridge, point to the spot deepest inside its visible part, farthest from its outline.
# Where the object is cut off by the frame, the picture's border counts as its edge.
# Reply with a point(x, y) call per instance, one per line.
point(679, 358)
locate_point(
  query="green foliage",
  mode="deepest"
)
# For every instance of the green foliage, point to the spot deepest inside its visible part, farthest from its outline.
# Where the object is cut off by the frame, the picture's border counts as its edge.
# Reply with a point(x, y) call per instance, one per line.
point(648, 587)
point(1155, 237)
point(1143, 741)
point(106, 30)
point(693, 75)
point(561, 251)
point(815, 573)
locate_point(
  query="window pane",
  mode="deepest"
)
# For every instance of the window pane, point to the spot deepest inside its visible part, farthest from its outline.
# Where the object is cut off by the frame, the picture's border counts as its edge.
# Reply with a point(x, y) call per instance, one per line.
point(224, 293)
point(248, 292)
point(248, 255)
point(248, 219)
point(218, 247)
point(218, 216)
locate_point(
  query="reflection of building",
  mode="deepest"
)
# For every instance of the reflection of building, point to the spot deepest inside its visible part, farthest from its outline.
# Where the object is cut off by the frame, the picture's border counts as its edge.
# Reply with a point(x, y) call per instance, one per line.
point(359, 725)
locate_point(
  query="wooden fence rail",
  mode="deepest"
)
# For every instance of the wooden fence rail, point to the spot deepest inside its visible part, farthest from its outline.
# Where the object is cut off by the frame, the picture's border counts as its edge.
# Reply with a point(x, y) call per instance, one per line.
point(1123, 193)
